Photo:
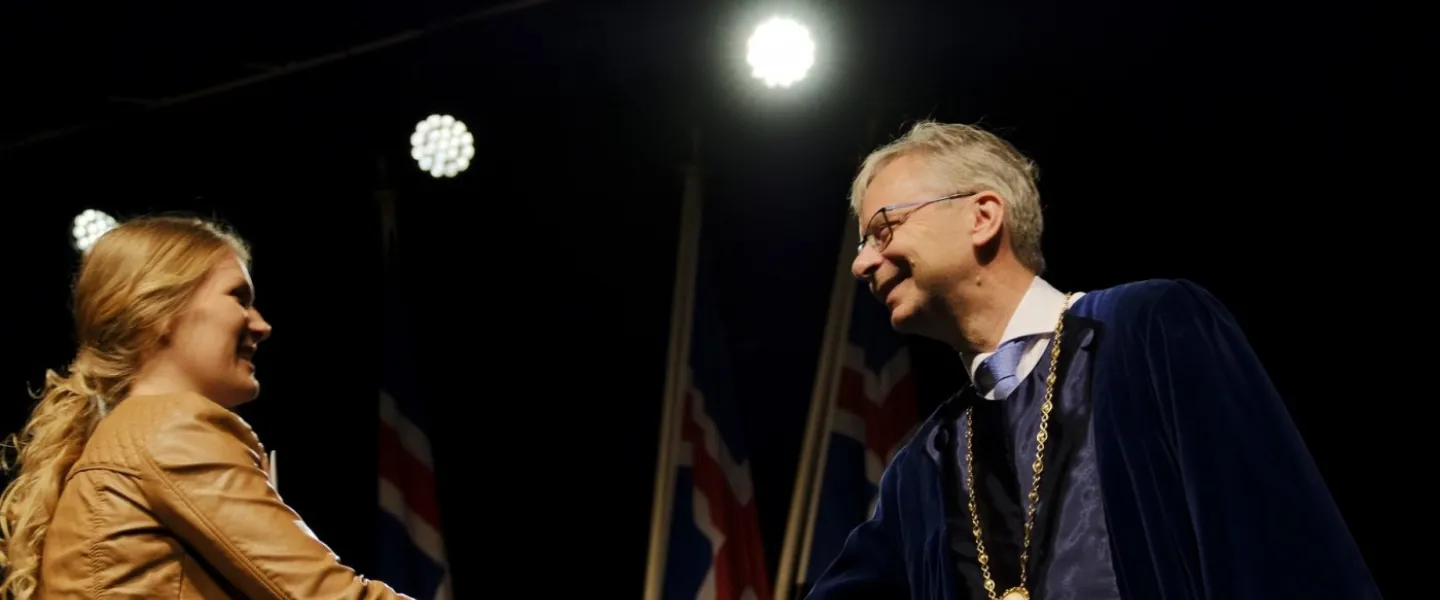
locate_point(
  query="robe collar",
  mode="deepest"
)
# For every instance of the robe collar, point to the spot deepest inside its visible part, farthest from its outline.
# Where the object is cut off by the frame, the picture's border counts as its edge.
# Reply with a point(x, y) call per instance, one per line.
point(1034, 317)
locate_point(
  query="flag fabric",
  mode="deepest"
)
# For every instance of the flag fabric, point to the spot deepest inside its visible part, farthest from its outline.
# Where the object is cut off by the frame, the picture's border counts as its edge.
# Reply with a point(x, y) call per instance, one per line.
point(715, 551)
point(410, 555)
point(874, 413)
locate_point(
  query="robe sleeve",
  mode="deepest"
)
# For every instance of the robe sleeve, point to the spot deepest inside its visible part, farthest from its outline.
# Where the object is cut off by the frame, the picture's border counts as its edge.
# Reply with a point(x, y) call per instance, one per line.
point(870, 565)
point(1264, 523)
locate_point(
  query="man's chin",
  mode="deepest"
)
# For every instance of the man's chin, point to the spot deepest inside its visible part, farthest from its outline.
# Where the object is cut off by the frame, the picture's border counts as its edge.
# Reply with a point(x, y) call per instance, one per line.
point(902, 319)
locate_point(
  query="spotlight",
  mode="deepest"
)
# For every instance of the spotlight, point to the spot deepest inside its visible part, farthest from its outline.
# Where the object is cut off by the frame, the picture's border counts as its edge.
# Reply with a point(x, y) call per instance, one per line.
point(780, 52)
point(89, 226)
point(442, 146)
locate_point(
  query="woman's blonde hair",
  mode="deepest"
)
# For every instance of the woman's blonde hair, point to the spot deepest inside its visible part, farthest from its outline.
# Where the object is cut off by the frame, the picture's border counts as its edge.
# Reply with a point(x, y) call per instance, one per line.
point(131, 283)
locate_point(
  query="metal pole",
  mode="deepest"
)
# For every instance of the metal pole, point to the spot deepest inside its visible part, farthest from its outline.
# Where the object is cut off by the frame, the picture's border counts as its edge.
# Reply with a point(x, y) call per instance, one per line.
point(822, 452)
point(822, 398)
point(672, 409)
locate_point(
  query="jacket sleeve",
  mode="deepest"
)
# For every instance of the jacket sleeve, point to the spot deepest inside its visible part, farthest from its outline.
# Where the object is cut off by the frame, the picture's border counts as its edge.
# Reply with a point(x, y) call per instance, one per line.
point(204, 473)
point(871, 565)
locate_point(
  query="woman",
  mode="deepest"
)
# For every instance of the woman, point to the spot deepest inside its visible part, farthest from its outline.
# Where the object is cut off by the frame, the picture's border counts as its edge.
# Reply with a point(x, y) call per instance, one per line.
point(135, 478)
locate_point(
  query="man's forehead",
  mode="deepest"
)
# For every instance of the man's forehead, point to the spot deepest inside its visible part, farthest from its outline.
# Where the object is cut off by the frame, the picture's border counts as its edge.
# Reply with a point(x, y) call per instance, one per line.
point(906, 179)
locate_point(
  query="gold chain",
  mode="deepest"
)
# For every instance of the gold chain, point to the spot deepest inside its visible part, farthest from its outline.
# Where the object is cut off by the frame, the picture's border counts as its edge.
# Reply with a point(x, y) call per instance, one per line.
point(1039, 466)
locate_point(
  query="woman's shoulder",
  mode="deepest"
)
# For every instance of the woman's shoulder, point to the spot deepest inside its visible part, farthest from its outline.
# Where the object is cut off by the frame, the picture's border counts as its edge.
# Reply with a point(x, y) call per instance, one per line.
point(151, 427)
point(169, 406)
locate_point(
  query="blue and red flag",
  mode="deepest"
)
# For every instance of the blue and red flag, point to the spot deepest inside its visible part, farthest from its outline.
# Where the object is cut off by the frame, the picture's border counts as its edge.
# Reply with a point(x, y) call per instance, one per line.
point(715, 548)
point(410, 555)
point(874, 412)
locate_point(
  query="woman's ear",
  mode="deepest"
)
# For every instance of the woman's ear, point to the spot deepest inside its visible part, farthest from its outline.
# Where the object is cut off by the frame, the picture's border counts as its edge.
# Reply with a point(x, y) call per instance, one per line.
point(164, 331)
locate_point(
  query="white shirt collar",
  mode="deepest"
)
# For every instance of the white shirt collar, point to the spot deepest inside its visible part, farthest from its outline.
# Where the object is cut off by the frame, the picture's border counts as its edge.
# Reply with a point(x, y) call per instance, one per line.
point(1034, 316)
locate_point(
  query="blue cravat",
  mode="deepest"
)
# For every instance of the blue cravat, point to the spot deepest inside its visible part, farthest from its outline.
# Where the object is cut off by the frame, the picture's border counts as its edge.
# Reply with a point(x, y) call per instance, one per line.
point(1001, 366)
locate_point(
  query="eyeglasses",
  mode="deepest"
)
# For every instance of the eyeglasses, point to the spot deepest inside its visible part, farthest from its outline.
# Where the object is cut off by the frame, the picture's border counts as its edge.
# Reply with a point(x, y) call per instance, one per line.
point(877, 233)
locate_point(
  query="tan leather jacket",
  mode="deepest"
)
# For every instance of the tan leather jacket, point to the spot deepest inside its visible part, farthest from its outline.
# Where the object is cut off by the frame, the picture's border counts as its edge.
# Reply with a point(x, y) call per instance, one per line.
point(172, 499)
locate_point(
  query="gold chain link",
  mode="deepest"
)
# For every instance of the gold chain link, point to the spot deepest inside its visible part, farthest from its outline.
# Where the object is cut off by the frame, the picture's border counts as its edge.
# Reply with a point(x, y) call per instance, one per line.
point(1037, 467)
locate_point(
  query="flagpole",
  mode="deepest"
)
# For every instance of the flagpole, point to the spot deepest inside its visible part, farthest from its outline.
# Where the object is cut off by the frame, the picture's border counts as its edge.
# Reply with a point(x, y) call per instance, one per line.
point(804, 501)
point(817, 426)
point(845, 283)
point(671, 411)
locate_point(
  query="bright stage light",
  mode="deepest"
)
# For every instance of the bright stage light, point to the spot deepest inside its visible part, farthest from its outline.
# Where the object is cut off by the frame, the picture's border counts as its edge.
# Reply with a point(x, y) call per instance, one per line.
point(781, 52)
point(442, 146)
point(89, 226)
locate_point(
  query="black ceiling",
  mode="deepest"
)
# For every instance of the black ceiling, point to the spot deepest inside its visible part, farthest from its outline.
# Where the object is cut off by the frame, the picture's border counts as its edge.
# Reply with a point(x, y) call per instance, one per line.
point(70, 66)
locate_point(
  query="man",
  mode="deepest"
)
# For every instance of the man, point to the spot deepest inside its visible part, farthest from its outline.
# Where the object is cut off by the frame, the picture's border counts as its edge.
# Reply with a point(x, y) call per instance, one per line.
point(1169, 466)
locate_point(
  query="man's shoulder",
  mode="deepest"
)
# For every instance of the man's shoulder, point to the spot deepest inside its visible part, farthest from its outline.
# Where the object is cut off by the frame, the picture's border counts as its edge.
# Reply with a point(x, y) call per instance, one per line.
point(1138, 300)
point(923, 444)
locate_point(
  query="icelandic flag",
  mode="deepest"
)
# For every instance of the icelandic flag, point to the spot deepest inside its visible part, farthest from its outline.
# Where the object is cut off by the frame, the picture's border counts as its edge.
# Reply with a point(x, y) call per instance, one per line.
point(715, 550)
point(874, 414)
point(410, 556)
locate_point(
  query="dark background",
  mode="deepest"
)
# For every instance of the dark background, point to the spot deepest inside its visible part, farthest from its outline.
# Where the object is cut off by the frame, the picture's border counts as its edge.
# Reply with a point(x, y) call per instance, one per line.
point(1264, 151)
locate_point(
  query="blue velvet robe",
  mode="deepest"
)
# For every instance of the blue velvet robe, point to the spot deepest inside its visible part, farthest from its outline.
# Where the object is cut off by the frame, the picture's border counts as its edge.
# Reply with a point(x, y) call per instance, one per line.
point(1070, 548)
point(1208, 491)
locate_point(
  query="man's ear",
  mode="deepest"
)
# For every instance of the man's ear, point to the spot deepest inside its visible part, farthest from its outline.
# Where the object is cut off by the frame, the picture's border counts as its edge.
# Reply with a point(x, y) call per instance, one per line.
point(989, 210)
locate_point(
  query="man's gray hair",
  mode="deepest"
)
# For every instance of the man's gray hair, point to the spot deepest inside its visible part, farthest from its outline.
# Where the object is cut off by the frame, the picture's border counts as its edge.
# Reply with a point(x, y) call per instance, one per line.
point(968, 157)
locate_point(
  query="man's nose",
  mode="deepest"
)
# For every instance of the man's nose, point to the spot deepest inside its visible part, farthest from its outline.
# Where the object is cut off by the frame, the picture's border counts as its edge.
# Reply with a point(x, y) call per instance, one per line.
point(865, 263)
